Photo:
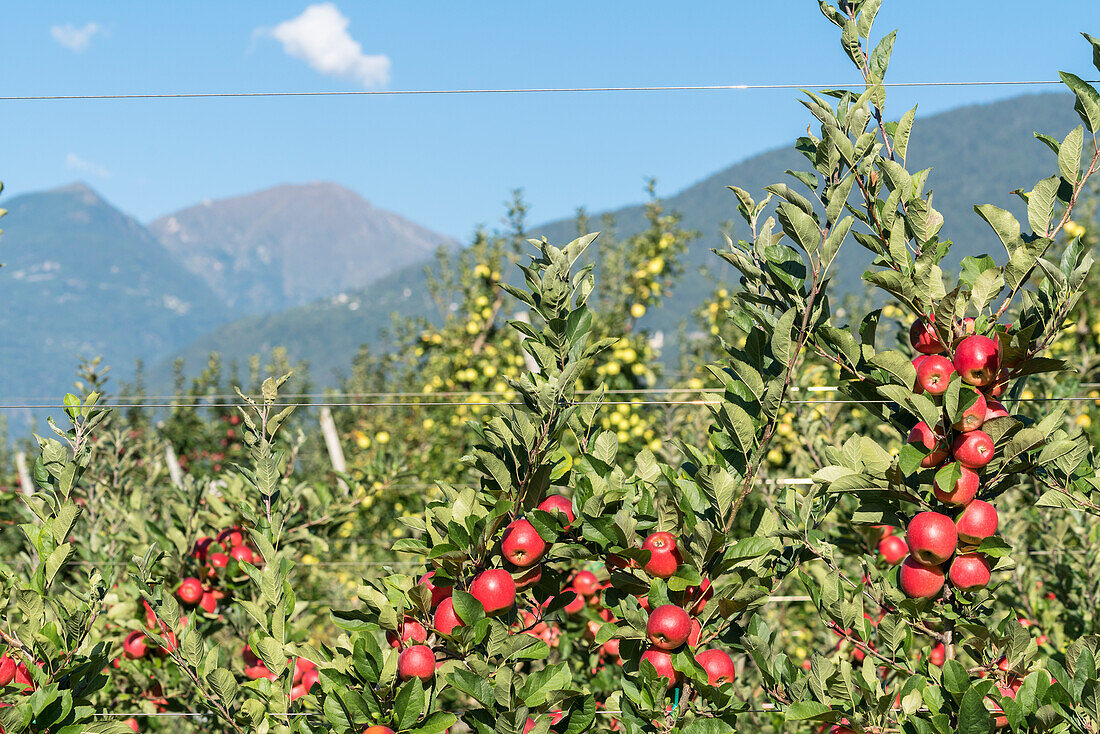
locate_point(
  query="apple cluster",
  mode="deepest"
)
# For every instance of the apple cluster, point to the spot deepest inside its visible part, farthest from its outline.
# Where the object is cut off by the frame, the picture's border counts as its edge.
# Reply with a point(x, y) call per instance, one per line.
point(213, 555)
point(522, 548)
point(671, 626)
point(941, 544)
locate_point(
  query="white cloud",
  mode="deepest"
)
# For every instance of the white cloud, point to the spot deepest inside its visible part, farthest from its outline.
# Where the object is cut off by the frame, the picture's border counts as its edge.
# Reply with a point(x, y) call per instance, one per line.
point(75, 163)
point(319, 36)
point(73, 38)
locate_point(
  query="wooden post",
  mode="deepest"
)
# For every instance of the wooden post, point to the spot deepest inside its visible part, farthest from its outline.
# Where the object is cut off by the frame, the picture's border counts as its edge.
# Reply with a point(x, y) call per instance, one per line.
point(332, 443)
point(173, 461)
point(24, 475)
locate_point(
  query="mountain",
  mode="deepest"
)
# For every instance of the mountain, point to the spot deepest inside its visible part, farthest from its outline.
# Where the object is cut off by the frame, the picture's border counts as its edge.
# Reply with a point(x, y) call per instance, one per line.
point(82, 278)
point(979, 154)
point(292, 244)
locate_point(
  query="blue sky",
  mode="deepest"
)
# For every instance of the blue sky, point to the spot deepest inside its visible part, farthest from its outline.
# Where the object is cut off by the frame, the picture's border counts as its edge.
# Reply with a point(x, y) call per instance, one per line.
point(450, 162)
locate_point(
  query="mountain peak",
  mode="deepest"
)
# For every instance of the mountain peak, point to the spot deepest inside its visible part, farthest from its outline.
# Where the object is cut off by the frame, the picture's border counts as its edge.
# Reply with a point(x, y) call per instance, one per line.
point(80, 190)
point(292, 243)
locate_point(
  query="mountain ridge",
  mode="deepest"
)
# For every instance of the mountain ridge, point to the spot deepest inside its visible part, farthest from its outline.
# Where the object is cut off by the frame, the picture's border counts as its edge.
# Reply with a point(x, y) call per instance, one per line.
point(289, 244)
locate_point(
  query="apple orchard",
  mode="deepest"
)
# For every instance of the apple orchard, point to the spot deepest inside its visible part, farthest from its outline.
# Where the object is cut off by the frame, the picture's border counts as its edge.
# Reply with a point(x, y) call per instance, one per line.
point(880, 515)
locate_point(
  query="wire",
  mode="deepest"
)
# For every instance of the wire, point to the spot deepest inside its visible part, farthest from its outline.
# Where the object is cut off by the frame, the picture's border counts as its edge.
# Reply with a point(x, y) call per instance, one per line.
point(492, 403)
point(518, 90)
point(421, 394)
point(414, 394)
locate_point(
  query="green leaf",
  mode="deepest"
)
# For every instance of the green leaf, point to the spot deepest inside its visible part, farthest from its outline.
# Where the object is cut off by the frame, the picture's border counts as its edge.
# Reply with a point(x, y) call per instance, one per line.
point(867, 17)
point(955, 678)
point(408, 704)
point(781, 343)
point(1088, 101)
point(785, 192)
point(1040, 204)
point(807, 710)
point(989, 284)
point(435, 723)
point(468, 609)
point(799, 225)
point(224, 684)
point(880, 57)
point(973, 716)
point(1003, 223)
point(56, 560)
point(901, 134)
point(708, 726)
point(1069, 155)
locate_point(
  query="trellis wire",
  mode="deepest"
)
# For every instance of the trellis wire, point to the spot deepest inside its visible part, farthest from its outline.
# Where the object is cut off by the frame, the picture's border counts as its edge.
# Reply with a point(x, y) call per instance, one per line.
point(422, 394)
point(499, 403)
point(514, 90)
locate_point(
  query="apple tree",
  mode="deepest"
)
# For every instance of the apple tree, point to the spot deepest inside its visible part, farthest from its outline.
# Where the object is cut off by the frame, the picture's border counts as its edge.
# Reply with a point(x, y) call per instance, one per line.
point(941, 649)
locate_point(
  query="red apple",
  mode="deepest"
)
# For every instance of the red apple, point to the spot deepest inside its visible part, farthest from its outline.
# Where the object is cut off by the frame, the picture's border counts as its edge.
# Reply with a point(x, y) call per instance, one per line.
point(132, 724)
point(702, 593)
point(190, 591)
point(378, 730)
point(994, 409)
point(7, 669)
point(577, 604)
point(558, 503)
point(892, 549)
point(208, 602)
point(258, 671)
point(662, 661)
point(303, 667)
point(664, 557)
point(696, 633)
point(243, 554)
point(938, 656)
point(201, 547)
point(134, 646)
point(969, 572)
point(417, 661)
point(231, 537)
point(934, 442)
point(495, 589)
point(923, 337)
point(439, 593)
point(931, 537)
point(973, 417)
point(917, 360)
point(668, 627)
point(997, 388)
point(964, 490)
point(218, 560)
point(410, 630)
point(529, 578)
point(23, 677)
point(977, 522)
point(585, 583)
point(978, 360)
point(934, 374)
point(522, 545)
point(973, 449)
point(718, 664)
point(446, 620)
point(920, 581)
